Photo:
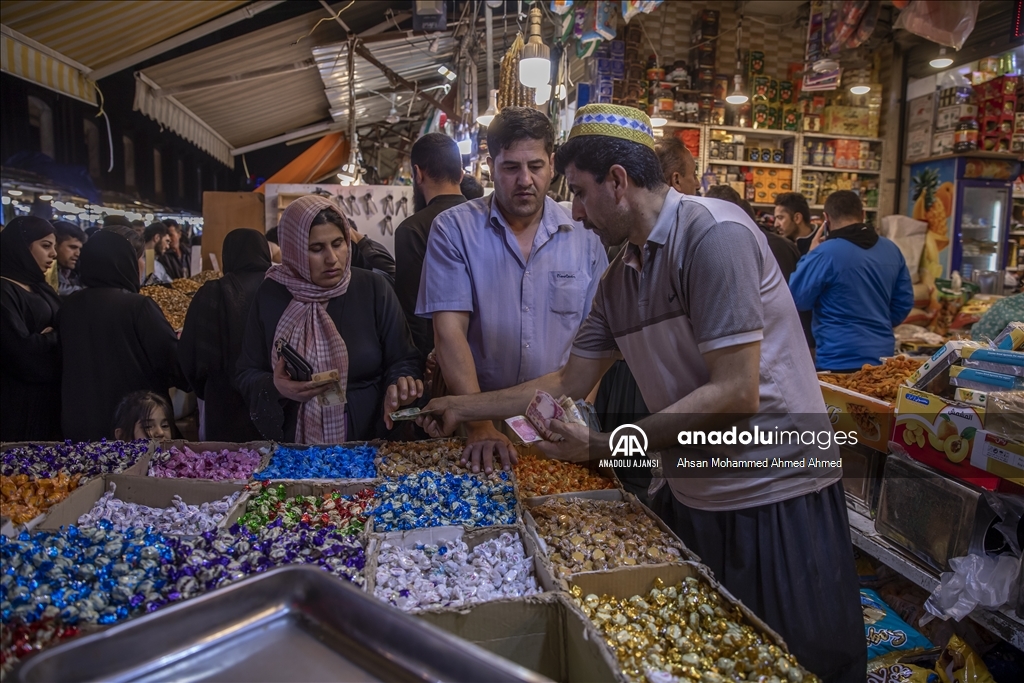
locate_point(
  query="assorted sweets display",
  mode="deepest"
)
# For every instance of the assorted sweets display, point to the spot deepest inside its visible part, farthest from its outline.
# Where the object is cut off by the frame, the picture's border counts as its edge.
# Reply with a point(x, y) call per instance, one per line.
point(406, 522)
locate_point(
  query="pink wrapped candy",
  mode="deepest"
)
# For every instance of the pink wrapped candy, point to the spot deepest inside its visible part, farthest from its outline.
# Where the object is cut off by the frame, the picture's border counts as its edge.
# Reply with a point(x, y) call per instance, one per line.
point(185, 463)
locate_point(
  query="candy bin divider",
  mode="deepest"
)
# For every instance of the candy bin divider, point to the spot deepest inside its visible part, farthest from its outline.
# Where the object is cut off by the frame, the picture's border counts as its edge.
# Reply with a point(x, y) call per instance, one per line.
point(626, 582)
point(311, 487)
point(11, 530)
point(543, 633)
point(473, 537)
point(265, 448)
point(376, 443)
point(152, 491)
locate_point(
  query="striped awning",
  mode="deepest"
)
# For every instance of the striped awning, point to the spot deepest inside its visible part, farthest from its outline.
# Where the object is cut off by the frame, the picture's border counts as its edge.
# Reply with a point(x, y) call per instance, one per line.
point(99, 32)
point(168, 111)
point(37, 66)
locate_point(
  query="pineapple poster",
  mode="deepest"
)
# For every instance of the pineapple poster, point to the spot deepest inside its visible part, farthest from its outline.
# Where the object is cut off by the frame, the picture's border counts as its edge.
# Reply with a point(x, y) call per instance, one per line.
point(931, 201)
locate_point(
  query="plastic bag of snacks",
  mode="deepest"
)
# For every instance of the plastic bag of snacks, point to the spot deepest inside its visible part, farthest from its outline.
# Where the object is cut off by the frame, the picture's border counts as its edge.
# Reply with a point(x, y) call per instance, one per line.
point(884, 631)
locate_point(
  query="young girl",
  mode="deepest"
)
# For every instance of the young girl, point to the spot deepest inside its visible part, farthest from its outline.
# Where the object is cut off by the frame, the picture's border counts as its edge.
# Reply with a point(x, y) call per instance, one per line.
point(142, 415)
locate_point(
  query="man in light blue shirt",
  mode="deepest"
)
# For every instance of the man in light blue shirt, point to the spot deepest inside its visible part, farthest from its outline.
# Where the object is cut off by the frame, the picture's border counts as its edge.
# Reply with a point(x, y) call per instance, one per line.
point(509, 278)
point(858, 286)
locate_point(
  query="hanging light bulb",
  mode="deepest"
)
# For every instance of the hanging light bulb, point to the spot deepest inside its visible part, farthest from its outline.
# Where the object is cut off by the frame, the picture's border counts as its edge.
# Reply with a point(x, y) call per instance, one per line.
point(658, 121)
point(393, 116)
point(535, 65)
point(737, 96)
point(942, 61)
point(350, 170)
point(860, 89)
point(492, 110)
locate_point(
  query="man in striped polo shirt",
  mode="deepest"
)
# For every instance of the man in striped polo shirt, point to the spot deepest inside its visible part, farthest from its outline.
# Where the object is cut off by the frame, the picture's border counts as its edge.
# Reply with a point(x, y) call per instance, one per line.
point(699, 309)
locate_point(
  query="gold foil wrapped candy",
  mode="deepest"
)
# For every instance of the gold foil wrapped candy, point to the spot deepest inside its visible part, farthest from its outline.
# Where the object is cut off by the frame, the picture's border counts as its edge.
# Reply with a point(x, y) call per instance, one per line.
point(686, 632)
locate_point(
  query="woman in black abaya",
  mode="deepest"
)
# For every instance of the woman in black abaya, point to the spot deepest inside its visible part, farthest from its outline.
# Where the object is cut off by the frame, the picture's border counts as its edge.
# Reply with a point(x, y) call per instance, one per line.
point(115, 341)
point(211, 340)
point(30, 381)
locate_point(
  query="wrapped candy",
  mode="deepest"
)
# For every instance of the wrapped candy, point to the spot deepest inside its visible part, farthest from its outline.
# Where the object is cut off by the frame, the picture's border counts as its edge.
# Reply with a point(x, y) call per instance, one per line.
point(178, 518)
point(331, 509)
point(452, 575)
point(398, 458)
point(41, 461)
point(96, 576)
point(225, 465)
point(686, 632)
point(543, 477)
point(21, 640)
point(430, 499)
point(586, 535)
point(320, 462)
point(22, 498)
point(222, 557)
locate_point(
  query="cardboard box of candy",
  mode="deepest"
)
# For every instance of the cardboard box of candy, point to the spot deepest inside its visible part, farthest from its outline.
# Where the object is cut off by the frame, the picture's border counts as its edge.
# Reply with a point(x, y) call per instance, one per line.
point(543, 633)
point(869, 417)
point(212, 460)
point(481, 565)
point(683, 589)
point(174, 506)
point(597, 531)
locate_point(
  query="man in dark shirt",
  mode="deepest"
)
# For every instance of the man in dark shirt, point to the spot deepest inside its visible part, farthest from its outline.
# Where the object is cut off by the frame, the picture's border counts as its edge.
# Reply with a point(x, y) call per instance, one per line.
point(784, 251)
point(436, 174)
point(793, 221)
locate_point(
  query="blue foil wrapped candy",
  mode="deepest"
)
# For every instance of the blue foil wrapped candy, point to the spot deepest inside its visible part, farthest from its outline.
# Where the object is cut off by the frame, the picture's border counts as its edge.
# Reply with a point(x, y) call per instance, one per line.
point(320, 462)
point(81, 582)
point(428, 499)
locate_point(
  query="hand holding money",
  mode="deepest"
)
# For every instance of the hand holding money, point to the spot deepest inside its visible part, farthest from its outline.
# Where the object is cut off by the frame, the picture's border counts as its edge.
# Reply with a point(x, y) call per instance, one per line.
point(534, 426)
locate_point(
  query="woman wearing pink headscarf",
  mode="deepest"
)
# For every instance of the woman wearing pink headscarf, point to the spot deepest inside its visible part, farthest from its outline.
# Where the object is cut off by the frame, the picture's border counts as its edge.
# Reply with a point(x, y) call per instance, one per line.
point(337, 318)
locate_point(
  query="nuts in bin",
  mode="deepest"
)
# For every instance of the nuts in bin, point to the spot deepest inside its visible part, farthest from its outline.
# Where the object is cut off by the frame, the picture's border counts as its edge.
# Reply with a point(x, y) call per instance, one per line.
point(172, 303)
point(881, 381)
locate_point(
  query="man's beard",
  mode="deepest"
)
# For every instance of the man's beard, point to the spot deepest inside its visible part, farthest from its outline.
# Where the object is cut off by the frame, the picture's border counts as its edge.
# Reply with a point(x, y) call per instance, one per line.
point(419, 202)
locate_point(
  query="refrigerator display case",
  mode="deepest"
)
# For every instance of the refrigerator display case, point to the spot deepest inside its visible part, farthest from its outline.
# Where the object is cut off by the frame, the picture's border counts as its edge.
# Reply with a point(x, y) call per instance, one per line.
point(966, 202)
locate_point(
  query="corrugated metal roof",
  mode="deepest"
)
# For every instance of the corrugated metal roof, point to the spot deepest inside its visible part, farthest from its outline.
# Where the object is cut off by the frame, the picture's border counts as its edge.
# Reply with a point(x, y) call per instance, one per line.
point(99, 32)
point(410, 56)
point(255, 110)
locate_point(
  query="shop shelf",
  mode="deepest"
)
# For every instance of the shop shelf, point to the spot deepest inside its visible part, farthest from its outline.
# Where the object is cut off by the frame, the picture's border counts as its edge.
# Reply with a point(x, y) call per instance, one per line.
point(752, 164)
point(683, 124)
point(840, 136)
point(833, 169)
point(1003, 623)
point(1017, 233)
point(977, 154)
point(755, 132)
point(822, 206)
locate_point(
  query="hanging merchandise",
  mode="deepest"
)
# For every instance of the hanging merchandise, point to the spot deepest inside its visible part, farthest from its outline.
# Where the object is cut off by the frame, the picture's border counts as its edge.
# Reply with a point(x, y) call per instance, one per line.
point(823, 71)
point(561, 6)
point(858, 19)
point(598, 21)
point(948, 22)
point(512, 93)
point(631, 8)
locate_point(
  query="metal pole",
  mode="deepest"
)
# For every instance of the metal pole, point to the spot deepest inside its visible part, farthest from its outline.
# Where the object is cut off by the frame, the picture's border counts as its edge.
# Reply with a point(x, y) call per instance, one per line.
point(488, 16)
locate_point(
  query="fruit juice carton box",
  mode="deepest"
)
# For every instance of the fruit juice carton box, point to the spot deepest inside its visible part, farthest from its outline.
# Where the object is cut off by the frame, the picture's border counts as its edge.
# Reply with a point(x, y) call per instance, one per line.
point(999, 455)
point(941, 433)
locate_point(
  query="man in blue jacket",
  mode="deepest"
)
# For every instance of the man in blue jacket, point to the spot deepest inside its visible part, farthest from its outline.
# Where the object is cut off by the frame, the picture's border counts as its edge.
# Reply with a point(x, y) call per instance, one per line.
point(857, 285)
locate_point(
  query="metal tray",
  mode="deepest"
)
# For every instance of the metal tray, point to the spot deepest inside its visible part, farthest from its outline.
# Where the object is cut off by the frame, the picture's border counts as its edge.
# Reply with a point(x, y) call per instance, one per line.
point(293, 624)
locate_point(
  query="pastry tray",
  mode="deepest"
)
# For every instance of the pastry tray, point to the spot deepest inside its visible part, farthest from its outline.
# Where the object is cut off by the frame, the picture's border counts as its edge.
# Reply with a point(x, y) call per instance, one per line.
point(292, 624)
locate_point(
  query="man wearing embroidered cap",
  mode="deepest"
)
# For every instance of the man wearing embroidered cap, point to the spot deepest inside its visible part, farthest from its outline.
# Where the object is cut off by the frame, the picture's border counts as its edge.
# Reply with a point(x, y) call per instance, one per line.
point(697, 306)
